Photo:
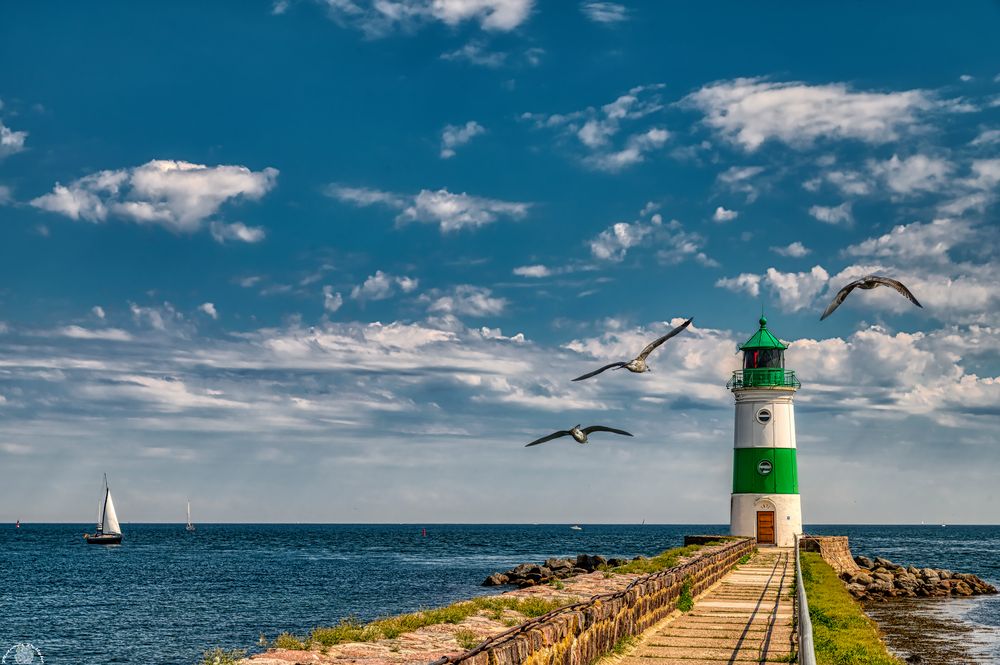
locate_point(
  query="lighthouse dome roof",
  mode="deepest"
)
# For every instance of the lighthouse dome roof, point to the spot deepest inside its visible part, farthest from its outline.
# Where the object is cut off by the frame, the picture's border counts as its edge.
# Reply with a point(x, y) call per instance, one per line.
point(763, 339)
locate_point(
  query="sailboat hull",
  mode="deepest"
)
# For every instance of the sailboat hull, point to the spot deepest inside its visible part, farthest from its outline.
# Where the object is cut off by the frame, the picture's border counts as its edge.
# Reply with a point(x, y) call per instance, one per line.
point(103, 538)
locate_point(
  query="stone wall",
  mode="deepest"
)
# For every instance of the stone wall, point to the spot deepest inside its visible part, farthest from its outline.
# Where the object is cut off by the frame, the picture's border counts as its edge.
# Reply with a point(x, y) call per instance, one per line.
point(581, 633)
point(835, 550)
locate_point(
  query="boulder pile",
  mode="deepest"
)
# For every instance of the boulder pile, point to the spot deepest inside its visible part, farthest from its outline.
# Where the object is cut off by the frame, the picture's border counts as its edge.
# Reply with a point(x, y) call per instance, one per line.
point(881, 578)
point(531, 574)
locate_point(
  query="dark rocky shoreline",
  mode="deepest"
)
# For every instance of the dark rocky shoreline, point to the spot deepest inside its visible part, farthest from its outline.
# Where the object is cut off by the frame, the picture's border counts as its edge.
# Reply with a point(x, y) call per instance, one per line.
point(532, 574)
point(880, 579)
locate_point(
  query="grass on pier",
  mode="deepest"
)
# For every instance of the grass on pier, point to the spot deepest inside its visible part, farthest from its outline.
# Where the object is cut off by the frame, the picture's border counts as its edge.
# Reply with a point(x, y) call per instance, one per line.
point(351, 630)
point(842, 632)
point(661, 561)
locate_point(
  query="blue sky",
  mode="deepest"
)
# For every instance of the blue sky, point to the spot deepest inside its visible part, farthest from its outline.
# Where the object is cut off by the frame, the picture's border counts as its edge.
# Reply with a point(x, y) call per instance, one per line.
point(337, 261)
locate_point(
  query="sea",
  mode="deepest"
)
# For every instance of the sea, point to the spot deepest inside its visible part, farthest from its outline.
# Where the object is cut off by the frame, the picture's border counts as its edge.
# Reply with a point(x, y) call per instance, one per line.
point(166, 595)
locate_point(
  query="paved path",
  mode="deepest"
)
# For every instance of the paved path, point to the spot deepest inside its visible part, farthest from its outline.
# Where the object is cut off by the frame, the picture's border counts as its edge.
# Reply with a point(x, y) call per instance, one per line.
point(745, 618)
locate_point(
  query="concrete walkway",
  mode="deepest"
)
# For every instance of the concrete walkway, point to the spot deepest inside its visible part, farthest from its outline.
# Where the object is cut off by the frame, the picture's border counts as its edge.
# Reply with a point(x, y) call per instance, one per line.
point(745, 618)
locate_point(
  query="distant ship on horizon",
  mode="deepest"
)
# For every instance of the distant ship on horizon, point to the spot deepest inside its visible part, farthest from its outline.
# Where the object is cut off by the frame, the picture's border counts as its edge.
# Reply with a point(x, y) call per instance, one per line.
point(190, 524)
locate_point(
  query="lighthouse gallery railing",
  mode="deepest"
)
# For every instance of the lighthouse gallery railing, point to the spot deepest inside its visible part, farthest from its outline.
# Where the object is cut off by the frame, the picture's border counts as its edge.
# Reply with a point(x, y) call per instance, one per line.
point(764, 377)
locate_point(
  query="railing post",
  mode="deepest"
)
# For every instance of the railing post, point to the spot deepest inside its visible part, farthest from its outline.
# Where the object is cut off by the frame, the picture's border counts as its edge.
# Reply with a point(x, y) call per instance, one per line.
point(807, 651)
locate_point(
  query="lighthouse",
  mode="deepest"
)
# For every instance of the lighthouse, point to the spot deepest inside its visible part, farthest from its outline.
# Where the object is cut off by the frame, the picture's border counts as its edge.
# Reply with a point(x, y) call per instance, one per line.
point(765, 501)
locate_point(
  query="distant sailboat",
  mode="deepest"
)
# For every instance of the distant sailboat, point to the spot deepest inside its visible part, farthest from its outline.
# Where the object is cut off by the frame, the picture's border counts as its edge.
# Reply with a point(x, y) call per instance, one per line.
point(577, 527)
point(190, 524)
point(109, 532)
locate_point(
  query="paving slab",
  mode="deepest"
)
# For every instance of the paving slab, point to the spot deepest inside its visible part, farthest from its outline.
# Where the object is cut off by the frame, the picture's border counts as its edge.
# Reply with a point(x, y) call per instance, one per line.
point(746, 618)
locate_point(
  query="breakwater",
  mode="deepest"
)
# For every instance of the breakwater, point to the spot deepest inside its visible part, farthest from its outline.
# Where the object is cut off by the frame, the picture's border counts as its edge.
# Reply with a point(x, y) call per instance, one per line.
point(585, 631)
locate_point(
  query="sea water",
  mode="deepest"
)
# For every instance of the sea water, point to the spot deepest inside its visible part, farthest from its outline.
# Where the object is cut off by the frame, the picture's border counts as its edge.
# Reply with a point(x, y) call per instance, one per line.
point(165, 595)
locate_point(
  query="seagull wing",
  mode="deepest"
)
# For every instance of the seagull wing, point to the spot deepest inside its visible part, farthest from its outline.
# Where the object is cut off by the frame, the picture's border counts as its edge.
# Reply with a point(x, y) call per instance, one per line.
point(655, 343)
point(598, 371)
point(554, 435)
point(897, 285)
point(841, 296)
point(602, 428)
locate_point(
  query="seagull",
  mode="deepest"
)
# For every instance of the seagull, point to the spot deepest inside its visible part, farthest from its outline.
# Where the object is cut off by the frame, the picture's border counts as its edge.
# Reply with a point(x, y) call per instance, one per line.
point(580, 435)
point(868, 282)
point(638, 364)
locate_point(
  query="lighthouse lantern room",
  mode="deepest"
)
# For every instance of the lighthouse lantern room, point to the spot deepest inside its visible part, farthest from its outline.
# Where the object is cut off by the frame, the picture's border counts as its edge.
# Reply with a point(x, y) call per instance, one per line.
point(765, 501)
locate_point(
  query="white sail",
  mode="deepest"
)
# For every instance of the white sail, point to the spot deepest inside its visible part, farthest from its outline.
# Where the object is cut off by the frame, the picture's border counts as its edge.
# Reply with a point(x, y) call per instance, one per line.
point(189, 512)
point(111, 524)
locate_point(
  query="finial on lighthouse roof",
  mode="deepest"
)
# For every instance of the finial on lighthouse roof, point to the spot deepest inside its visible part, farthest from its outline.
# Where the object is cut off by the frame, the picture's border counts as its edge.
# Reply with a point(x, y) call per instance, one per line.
point(763, 321)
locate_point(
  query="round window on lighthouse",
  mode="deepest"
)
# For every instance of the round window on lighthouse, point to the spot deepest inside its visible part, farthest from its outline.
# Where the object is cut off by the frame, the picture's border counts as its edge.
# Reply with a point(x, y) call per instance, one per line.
point(764, 467)
point(764, 416)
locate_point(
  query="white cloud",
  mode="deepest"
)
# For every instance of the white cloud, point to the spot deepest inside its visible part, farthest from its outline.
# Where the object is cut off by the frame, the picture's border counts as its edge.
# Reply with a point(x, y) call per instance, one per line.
point(749, 111)
point(475, 52)
point(454, 136)
point(918, 173)
point(236, 231)
point(98, 311)
point(794, 290)
point(11, 141)
point(6, 197)
point(469, 300)
point(377, 18)
point(332, 301)
point(279, 7)
point(450, 212)
point(381, 286)
point(837, 215)
point(723, 215)
point(532, 271)
point(597, 129)
point(672, 243)
point(177, 195)
point(208, 309)
point(909, 242)
point(79, 332)
point(795, 250)
point(604, 12)
point(851, 183)
point(987, 137)
point(746, 282)
point(740, 179)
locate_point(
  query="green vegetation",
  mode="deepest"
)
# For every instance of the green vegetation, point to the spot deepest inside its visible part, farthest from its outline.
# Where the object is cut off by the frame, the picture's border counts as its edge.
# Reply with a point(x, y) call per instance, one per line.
point(624, 645)
point(842, 632)
point(288, 641)
point(661, 561)
point(744, 559)
point(686, 602)
point(219, 656)
point(467, 639)
point(352, 630)
point(557, 584)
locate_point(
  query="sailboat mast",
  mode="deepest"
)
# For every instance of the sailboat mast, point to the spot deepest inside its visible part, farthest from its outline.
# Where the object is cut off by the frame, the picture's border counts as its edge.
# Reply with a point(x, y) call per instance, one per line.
point(104, 508)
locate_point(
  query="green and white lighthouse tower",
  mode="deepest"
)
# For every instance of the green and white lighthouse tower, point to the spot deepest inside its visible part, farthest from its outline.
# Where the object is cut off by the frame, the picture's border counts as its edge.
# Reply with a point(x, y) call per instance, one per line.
point(765, 501)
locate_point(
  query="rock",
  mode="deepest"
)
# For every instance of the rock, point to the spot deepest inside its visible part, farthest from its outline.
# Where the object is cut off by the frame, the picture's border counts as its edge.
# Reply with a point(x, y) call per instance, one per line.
point(862, 578)
point(496, 579)
point(589, 562)
point(856, 590)
point(944, 574)
point(885, 577)
point(928, 573)
point(884, 563)
point(913, 570)
point(960, 588)
point(914, 658)
point(614, 563)
point(864, 562)
point(579, 571)
point(880, 587)
point(558, 565)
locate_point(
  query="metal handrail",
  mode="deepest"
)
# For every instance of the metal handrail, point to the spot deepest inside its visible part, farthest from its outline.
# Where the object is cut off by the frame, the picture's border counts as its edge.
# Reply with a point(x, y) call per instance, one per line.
point(807, 650)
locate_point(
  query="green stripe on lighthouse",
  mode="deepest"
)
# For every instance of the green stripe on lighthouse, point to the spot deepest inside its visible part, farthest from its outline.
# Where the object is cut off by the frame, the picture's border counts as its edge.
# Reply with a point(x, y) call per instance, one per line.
point(765, 471)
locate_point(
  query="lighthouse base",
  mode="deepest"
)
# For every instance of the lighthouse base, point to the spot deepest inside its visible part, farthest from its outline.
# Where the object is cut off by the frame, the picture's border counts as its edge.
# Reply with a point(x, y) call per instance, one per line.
point(770, 518)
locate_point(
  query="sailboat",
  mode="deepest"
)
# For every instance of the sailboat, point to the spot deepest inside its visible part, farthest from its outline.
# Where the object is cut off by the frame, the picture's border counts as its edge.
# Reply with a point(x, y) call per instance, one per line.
point(109, 532)
point(190, 524)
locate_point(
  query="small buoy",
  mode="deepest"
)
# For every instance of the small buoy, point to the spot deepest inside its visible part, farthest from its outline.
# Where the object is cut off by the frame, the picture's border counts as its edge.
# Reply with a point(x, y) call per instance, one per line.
point(423, 532)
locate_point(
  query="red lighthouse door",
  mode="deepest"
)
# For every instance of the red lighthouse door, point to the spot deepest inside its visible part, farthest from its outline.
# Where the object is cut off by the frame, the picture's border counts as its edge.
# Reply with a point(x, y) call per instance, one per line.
point(765, 527)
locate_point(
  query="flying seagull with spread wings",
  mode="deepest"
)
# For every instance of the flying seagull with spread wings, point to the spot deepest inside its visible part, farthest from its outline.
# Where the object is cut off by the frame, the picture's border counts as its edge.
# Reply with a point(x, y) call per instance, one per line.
point(638, 364)
point(580, 435)
point(867, 283)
